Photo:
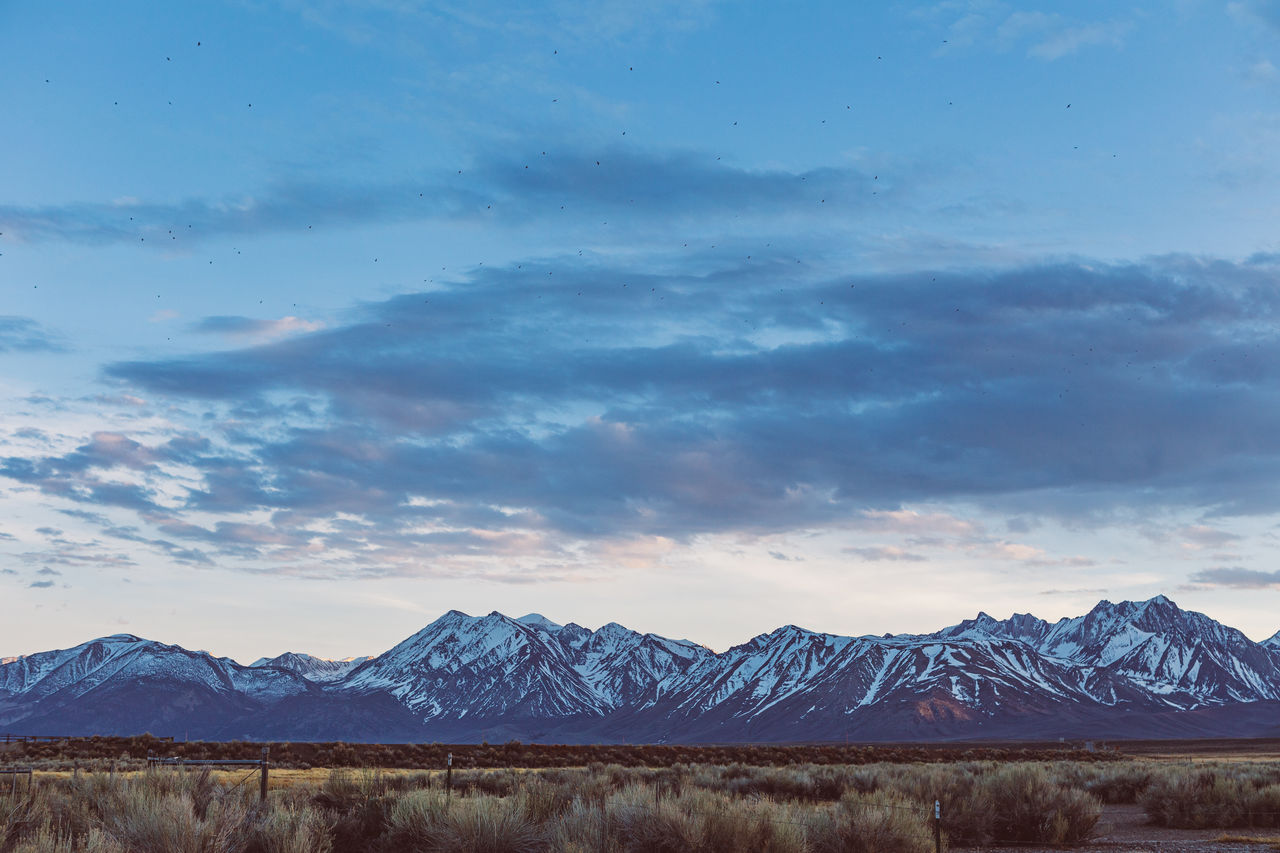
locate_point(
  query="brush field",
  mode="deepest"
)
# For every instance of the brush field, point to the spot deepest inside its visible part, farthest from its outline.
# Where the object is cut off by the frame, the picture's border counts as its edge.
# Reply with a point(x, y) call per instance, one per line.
point(80, 802)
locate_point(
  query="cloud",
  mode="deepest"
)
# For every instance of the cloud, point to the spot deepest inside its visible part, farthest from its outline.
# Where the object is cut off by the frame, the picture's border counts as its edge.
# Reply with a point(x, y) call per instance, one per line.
point(572, 184)
point(519, 413)
point(917, 524)
point(22, 334)
point(1237, 577)
point(559, 22)
point(48, 571)
point(1262, 71)
point(1047, 36)
point(1199, 536)
point(1070, 39)
point(39, 584)
point(885, 552)
point(1253, 12)
point(254, 329)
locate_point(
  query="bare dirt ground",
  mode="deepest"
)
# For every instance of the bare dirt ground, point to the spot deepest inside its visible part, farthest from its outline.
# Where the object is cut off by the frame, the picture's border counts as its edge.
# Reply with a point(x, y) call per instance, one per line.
point(1124, 829)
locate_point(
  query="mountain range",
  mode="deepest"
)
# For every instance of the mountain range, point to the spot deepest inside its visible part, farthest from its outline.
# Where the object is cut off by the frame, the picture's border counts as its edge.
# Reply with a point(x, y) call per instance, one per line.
point(1129, 669)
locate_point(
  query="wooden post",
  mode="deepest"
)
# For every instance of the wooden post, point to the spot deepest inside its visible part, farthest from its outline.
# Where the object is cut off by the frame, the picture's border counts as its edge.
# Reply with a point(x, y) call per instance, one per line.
point(448, 777)
point(937, 826)
point(266, 750)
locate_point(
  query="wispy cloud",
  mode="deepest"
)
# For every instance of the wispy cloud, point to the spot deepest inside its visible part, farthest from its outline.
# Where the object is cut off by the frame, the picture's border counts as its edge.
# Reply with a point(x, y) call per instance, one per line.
point(1256, 11)
point(1064, 41)
point(255, 329)
point(26, 335)
point(565, 23)
point(1046, 36)
point(885, 552)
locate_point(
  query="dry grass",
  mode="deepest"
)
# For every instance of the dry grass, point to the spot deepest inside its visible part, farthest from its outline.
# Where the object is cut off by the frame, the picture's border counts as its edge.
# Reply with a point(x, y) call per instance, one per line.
point(1273, 842)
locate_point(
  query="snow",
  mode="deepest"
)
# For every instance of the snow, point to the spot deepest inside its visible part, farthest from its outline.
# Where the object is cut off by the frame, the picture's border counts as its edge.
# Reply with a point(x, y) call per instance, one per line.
point(537, 620)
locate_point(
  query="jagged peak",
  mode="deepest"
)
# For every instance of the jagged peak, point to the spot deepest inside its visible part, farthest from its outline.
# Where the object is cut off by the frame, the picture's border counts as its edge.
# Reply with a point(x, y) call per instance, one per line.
point(1019, 626)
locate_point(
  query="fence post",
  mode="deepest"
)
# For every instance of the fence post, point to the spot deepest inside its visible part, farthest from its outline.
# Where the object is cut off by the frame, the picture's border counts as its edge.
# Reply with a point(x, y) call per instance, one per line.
point(448, 777)
point(937, 826)
point(262, 783)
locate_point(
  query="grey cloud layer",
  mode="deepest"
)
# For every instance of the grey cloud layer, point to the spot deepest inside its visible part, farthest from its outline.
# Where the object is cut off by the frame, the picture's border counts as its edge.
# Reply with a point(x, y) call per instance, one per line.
point(518, 409)
point(542, 184)
point(1237, 577)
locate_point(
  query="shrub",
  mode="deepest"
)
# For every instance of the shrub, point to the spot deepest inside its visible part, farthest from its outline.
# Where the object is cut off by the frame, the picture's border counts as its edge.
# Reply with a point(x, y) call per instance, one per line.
point(414, 818)
point(485, 825)
point(1187, 799)
point(864, 825)
point(1031, 807)
point(293, 830)
point(645, 826)
point(1122, 784)
point(169, 824)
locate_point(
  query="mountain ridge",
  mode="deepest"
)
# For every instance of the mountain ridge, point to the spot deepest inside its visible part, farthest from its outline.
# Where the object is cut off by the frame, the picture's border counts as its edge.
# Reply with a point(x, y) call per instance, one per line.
point(465, 677)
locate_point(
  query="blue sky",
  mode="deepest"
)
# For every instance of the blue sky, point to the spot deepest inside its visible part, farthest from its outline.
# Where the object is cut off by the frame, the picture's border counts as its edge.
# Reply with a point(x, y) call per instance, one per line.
point(323, 318)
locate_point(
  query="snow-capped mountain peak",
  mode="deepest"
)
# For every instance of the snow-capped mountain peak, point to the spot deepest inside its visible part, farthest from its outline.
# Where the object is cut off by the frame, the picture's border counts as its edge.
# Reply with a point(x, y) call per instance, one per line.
point(537, 620)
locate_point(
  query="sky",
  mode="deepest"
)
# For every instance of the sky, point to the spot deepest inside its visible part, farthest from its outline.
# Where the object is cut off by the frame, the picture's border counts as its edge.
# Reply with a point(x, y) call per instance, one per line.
point(320, 319)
